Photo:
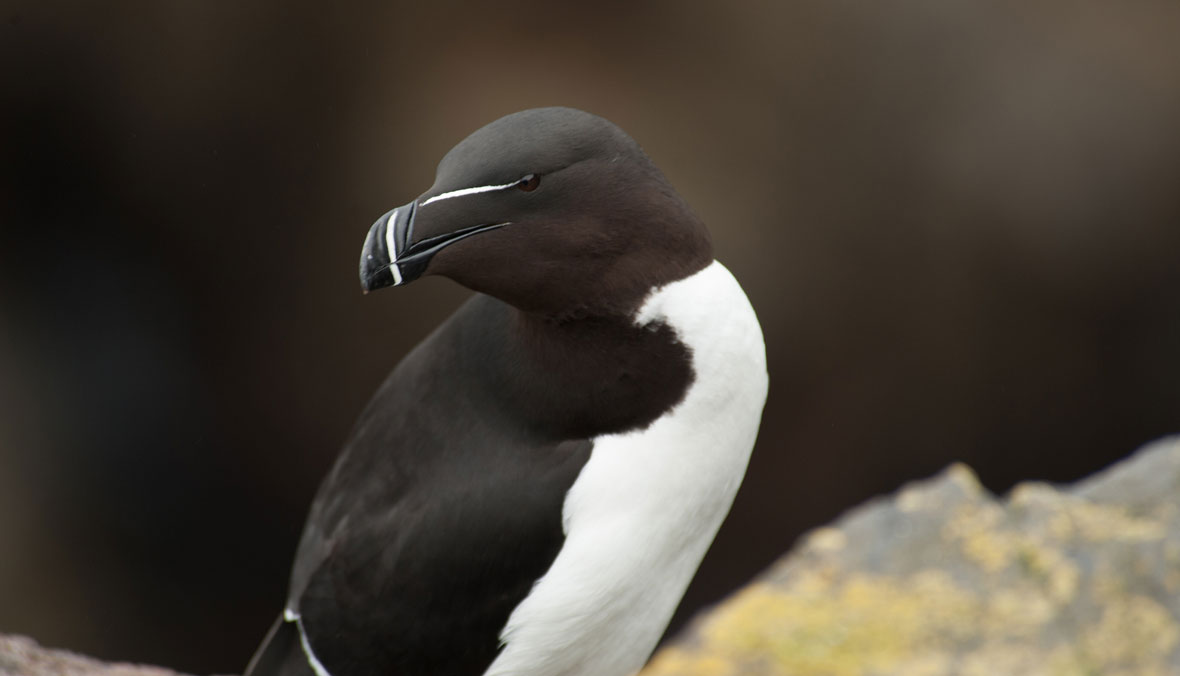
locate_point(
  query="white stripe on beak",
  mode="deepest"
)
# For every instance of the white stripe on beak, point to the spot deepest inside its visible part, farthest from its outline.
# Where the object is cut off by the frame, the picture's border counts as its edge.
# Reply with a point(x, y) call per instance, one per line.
point(391, 244)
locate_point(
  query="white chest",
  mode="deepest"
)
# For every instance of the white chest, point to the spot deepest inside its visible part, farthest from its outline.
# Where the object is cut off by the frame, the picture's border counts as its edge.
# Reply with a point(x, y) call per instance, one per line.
point(646, 506)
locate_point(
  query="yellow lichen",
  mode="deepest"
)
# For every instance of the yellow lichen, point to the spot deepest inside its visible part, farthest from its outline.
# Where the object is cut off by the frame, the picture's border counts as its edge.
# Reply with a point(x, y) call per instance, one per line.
point(1017, 611)
point(1134, 631)
point(867, 624)
point(1098, 523)
point(678, 662)
point(974, 527)
point(1035, 598)
point(878, 625)
point(827, 540)
point(1051, 567)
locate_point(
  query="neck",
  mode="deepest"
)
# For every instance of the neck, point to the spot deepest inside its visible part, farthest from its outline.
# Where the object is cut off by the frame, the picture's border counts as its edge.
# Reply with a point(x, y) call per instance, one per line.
point(583, 376)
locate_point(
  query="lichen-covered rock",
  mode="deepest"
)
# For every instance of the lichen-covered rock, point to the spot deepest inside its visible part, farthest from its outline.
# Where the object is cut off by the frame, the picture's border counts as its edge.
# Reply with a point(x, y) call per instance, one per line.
point(20, 656)
point(945, 579)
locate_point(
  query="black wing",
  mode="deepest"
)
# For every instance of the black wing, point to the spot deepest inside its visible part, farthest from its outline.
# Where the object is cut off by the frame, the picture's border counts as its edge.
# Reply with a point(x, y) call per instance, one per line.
point(434, 524)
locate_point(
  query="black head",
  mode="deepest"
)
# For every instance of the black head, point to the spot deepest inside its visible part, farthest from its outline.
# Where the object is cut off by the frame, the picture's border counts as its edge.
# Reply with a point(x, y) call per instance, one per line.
point(553, 210)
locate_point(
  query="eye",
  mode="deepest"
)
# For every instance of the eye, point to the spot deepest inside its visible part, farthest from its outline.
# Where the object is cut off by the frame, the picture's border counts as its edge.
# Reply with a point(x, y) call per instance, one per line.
point(529, 183)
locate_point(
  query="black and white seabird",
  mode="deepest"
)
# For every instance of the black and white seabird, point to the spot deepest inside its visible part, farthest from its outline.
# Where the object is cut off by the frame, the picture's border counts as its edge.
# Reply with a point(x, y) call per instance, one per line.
point(531, 490)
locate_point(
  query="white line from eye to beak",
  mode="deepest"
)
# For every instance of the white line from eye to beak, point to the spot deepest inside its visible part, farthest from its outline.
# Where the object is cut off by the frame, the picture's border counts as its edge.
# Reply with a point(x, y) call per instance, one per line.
point(467, 191)
point(391, 244)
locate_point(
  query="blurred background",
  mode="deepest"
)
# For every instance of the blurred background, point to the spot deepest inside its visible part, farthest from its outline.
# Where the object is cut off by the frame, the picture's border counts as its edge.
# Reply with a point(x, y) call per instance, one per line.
point(958, 221)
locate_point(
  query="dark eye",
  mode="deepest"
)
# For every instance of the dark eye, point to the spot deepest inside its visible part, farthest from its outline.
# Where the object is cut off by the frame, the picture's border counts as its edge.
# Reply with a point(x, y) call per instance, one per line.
point(529, 183)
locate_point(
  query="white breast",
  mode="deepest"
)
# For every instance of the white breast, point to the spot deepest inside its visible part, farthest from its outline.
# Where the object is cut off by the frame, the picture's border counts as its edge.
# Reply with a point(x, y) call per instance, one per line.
point(647, 504)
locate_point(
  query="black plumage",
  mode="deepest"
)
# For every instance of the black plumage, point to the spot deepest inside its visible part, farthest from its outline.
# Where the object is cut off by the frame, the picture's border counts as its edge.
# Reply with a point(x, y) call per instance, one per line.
point(445, 505)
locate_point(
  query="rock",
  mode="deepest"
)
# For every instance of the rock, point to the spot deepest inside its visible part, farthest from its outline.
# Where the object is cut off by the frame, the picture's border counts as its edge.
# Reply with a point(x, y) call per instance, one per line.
point(943, 578)
point(20, 656)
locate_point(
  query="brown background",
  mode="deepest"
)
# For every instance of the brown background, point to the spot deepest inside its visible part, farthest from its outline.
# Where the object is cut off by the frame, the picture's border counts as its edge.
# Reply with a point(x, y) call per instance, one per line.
point(959, 223)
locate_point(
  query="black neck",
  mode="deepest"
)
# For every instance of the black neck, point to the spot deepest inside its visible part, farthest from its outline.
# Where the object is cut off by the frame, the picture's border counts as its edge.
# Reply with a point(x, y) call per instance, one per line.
point(576, 377)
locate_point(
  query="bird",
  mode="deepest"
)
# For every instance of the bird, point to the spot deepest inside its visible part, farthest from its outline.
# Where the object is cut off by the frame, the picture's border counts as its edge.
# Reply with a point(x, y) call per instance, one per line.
point(532, 488)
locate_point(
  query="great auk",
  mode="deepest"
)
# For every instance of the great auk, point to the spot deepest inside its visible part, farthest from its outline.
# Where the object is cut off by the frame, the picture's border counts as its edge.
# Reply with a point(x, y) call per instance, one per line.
point(532, 488)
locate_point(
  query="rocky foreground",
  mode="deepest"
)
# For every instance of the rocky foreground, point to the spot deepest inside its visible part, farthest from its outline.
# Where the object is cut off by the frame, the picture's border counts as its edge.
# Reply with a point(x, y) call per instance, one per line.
point(940, 578)
point(22, 656)
point(944, 578)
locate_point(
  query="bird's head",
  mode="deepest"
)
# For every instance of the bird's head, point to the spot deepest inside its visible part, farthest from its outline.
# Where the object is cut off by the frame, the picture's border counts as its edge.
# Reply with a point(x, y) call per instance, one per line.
point(552, 210)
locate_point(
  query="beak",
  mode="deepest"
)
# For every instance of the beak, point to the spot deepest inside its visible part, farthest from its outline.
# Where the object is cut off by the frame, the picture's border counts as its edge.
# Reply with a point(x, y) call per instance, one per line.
point(390, 257)
point(383, 261)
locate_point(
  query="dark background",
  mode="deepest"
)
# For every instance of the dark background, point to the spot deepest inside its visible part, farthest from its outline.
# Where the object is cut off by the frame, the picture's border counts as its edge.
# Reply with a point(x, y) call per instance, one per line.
point(959, 223)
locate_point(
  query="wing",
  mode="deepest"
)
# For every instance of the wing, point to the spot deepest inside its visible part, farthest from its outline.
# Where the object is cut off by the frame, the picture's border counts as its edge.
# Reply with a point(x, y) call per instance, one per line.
point(425, 586)
point(433, 525)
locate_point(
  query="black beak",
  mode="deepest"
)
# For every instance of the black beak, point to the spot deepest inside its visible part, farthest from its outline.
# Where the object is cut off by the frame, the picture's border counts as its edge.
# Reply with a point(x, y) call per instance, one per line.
point(383, 258)
point(390, 257)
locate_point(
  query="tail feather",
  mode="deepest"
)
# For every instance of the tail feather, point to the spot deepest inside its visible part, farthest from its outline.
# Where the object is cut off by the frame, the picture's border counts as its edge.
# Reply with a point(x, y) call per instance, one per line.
point(281, 653)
